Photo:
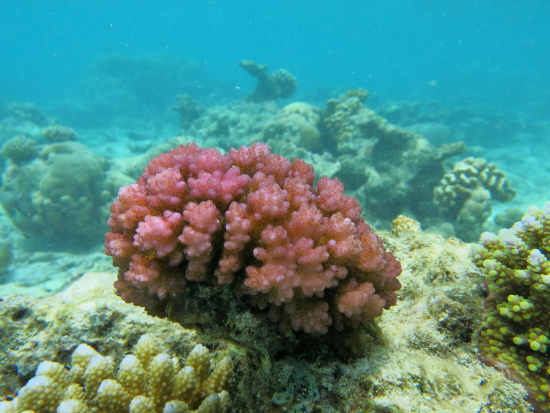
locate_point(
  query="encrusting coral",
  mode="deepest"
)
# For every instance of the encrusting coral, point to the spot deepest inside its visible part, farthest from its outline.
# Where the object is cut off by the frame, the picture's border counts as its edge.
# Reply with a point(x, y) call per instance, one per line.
point(145, 382)
point(279, 84)
point(515, 331)
point(465, 194)
point(254, 220)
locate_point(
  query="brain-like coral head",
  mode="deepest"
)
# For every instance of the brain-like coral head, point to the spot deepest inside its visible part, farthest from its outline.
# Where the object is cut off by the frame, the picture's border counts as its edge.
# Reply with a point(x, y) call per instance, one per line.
point(254, 220)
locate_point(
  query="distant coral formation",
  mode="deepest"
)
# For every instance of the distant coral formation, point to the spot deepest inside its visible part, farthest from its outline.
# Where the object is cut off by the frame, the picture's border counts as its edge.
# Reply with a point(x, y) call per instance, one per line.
point(59, 192)
point(393, 170)
point(58, 133)
point(19, 149)
point(55, 194)
point(145, 382)
point(277, 85)
point(339, 111)
point(465, 194)
point(188, 110)
point(22, 118)
point(255, 220)
point(297, 119)
point(515, 334)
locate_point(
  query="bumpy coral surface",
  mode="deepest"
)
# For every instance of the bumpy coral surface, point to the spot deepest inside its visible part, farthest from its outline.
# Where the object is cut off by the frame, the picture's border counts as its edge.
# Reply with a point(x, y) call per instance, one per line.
point(58, 133)
point(339, 111)
point(145, 382)
point(425, 364)
point(468, 175)
point(515, 332)
point(255, 220)
point(465, 193)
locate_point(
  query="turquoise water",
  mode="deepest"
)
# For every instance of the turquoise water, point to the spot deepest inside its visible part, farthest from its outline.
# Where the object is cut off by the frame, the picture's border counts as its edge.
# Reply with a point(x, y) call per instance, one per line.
point(474, 72)
point(491, 51)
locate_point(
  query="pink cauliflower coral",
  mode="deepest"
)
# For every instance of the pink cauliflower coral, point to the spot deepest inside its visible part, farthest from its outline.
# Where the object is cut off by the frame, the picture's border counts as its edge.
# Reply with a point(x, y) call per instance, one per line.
point(254, 220)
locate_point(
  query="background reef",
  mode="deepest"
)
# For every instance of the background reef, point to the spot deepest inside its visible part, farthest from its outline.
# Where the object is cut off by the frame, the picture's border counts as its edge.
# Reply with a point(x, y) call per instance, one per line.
point(58, 183)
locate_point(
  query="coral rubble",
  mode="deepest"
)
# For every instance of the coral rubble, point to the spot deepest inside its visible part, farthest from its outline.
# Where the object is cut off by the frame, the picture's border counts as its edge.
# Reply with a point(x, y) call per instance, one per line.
point(254, 220)
point(515, 333)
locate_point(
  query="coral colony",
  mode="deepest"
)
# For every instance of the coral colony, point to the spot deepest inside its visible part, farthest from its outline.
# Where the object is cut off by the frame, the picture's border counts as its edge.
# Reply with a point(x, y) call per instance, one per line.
point(515, 334)
point(145, 382)
point(257, 221)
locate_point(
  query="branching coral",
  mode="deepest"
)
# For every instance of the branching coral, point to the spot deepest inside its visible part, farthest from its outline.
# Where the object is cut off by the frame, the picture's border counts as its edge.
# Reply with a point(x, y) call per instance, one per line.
point(279, 84)
point(465, 194)
point(515, 331)
point(255, 220)
point(145, 382)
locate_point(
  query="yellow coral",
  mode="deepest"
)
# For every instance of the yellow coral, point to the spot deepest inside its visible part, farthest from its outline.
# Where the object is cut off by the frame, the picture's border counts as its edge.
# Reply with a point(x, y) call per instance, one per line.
point(403, 225)
point(146, 382)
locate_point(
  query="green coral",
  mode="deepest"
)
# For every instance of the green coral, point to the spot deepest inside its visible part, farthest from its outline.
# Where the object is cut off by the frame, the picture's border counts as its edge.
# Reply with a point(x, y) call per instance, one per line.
point(515, 331)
